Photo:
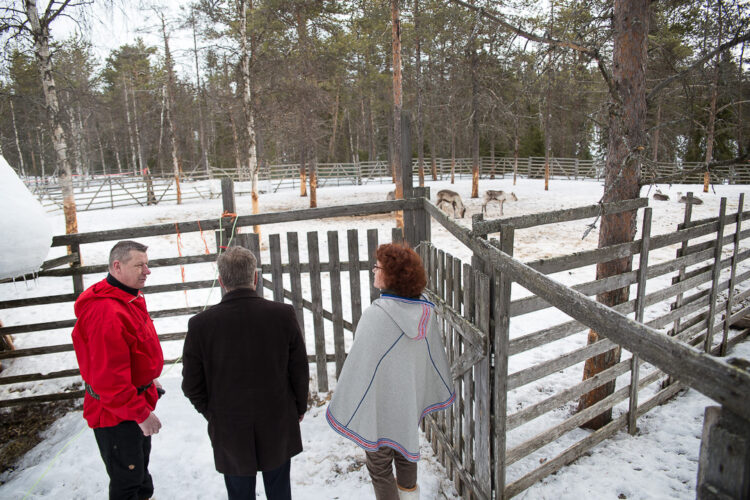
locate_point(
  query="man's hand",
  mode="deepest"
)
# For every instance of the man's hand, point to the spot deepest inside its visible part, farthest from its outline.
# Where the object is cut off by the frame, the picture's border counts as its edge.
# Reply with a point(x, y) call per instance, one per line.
point(151, 425)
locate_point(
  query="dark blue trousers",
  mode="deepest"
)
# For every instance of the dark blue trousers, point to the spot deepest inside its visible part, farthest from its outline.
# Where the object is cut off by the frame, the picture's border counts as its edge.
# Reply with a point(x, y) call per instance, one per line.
point(277, 483)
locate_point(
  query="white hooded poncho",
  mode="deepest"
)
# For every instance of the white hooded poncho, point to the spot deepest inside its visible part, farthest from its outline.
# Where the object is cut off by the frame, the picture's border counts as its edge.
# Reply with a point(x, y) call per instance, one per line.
point(396, 373)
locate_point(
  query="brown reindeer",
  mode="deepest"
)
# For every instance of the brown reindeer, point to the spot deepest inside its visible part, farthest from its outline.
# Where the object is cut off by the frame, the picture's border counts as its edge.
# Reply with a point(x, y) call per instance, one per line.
point(498, 196)
point(446, 197)
point(658, 195)
point(694, 200)
point(6, 344)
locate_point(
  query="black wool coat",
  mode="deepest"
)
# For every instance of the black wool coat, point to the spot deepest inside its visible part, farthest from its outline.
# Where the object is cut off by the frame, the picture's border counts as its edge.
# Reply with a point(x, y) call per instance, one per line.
point(245, 369)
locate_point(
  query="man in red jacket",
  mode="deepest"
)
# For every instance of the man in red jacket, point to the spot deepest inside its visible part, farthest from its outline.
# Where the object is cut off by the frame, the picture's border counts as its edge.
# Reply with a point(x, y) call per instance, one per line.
point(120, 358)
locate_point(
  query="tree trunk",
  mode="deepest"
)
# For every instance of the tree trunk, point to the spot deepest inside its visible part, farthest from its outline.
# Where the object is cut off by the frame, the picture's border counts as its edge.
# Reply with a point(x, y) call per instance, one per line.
point(397, 106)
point(130, 128)
point(150, 196)
point(474, 63)
point(201, 99)
point(711, 129)
point(420, 111)
point(247, 107)
point(335, 116)
point(626, 141)
point(313, 182)
point(40, 34)
point(453, 157)
point(655, 140)
point(18, 142)
point(516, 146)
point(169, 106)
point(40, 143)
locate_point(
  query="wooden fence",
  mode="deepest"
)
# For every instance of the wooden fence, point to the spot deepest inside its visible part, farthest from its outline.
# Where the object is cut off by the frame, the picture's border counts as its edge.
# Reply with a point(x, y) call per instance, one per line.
point(497, 440)
point(109, 191)
point(536, 374)
point(309, 301)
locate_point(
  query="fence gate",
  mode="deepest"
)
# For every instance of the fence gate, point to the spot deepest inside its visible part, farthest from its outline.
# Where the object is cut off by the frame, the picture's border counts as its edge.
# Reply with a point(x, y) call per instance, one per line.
point(461, 435)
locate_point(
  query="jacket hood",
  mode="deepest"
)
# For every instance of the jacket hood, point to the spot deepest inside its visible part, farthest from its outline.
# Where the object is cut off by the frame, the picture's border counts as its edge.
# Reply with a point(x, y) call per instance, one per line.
point(102, 290)
point(411, 315)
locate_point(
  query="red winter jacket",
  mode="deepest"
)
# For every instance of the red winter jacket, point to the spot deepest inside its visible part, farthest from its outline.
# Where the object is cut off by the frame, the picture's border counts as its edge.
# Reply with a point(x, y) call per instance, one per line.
point(118, 351)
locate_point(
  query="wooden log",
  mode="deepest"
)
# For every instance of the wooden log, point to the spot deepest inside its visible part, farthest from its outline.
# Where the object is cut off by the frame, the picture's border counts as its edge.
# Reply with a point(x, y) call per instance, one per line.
point(317, 311)
point(336, 304)
point(251, 241)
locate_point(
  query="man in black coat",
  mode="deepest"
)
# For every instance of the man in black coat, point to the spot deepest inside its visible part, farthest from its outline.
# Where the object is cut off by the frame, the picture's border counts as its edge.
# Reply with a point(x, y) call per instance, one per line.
point(245, 369)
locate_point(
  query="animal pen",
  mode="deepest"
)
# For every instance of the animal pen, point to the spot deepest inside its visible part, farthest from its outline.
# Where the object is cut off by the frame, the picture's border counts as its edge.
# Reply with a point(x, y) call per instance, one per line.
point(491, 445)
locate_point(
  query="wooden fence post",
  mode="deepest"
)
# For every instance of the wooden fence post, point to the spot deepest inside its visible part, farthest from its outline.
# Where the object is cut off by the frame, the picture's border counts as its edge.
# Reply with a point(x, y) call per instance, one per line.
point(681, 253)
point(716, 273)
point(321, 361)
point(500, 347)
point(639, 309)
point(77, 278)
point(227, 195)
point(295, 278)
point(724, 463)
point(732, 276)
point(422, 219)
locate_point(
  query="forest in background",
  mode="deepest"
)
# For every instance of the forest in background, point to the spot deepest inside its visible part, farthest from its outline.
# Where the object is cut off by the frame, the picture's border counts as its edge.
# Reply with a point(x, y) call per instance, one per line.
point(320, 74)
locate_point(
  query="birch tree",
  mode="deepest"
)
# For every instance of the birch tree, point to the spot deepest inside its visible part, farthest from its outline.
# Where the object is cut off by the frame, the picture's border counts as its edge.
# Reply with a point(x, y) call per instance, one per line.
point(22, 19)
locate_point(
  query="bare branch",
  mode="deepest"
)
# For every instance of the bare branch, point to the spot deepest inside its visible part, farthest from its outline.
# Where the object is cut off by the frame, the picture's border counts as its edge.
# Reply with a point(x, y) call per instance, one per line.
point(589, 51)
point(738, 39)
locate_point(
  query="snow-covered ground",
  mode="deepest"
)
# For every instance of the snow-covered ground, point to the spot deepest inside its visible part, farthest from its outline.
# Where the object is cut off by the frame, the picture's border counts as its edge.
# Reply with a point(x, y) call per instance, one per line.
point(659, 462)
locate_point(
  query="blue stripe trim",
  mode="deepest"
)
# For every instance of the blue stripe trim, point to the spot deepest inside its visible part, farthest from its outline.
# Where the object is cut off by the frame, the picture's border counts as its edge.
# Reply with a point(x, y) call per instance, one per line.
point(373, 378)
point(366, 443)
point(429, 353)
point(405, 299)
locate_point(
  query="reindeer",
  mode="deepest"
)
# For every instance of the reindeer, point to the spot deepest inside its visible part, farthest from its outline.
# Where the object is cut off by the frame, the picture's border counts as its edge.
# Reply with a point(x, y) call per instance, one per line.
point(6, 344)
point(452, 199)
point(658, 195)
point(499, 196)
point(694, 200)
point(390, 196)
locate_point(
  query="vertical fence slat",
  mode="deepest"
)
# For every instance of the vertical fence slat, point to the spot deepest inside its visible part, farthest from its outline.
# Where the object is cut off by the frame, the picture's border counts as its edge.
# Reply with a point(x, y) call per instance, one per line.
point(337, 310)
point(253, 242)
point(732, 275)
point(317, 311)
point(681, 252)
point(397, 235)
point(277, 276)
point(482, 393)
point(295, 278)
point(447, 416)
point(639, 310)
point(467, 393)
point(77, 278)
point(500, 352)
point(456, 408)
point(354, 278)
point(716, 273)
point(372, 245)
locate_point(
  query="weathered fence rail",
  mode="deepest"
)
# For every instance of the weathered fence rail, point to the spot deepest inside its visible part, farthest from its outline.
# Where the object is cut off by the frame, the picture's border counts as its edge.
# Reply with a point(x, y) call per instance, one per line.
point(536, 435)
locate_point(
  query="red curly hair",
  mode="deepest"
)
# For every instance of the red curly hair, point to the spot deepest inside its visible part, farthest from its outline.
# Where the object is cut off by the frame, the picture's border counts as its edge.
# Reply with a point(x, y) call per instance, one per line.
point(402, 268)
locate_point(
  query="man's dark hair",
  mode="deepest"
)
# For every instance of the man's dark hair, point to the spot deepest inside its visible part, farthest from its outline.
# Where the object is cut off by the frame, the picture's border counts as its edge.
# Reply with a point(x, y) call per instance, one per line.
point(237, 268)
point(121, 251)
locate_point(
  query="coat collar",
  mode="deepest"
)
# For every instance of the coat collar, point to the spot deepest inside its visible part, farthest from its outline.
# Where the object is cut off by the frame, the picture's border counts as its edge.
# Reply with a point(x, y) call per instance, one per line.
point(240, 293)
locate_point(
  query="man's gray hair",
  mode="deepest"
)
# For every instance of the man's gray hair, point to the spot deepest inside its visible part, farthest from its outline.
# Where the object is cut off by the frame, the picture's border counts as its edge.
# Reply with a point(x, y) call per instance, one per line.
point(121, 251)
point(237, 268)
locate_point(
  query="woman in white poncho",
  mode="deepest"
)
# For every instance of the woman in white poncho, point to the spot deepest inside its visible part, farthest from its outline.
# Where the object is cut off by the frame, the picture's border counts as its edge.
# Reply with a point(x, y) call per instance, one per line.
point(396, 373)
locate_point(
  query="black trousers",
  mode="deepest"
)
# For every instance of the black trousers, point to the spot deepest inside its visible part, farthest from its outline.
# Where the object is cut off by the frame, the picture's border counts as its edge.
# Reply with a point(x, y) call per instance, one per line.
point(277, 483)
point(125, 451)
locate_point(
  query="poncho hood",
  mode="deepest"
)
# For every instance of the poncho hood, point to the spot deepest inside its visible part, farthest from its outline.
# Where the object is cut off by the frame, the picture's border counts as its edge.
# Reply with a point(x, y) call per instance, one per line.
point(412, 316)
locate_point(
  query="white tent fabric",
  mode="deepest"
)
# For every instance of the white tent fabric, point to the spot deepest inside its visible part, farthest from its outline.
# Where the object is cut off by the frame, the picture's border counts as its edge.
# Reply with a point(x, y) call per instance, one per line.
point(25, 230)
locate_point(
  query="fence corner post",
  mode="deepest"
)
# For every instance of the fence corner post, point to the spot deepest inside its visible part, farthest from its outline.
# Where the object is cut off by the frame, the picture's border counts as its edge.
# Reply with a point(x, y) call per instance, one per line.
point(724, 463)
